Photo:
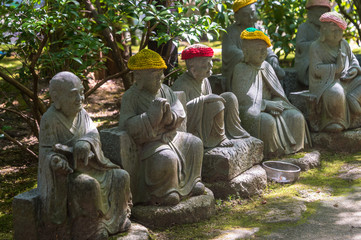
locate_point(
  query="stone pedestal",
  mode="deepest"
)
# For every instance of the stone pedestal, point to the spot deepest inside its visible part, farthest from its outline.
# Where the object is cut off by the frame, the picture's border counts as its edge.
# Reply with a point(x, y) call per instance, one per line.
point(306, 103)
point(193, 209)
point(309, 161)
point(226, 163)
point(228, 171)
point(26, 212)
point(249, 183)
point(345, 141)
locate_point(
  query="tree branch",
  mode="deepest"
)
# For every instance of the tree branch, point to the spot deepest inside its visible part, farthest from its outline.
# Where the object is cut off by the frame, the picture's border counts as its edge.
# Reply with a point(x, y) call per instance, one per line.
point(19, 144)
point(103, 81)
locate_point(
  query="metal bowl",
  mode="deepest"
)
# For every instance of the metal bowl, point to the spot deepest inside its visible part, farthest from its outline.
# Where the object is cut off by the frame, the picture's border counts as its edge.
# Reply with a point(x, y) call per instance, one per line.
point(281, 172)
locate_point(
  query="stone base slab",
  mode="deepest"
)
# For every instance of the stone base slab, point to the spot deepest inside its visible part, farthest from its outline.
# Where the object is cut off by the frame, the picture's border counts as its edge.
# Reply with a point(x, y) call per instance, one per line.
point(249, 183)
point(309, 161)
point(136, 232)
point(226, 163)
point(345, 141)
point(193, 209)
point(26, 211)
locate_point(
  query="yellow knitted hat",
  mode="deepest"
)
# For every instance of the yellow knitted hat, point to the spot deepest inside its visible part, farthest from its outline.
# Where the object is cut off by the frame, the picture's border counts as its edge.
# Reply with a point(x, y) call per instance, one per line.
point(146, 59)
point(254, 33)
point(241, 3)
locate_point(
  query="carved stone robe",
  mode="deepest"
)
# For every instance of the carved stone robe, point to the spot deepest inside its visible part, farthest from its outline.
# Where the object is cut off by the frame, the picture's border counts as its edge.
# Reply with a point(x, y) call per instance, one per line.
point(282, 134)
point(170, 161)
point(307, 33)
point(336, 93)
point(94, 197)
point(204, 118)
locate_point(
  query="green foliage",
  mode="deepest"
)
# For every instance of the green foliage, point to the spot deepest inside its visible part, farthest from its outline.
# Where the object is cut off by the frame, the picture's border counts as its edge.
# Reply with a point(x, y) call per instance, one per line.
point(281, 20)
point(67, 36)
point(351, 10)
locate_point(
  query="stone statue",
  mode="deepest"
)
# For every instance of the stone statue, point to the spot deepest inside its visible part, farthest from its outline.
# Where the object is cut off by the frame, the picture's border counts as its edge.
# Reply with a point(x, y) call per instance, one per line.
point(232, 53)
point(78, 186)
point(170, 161)
point(335, 76)
point(212, 118)
point(264, 109)
point(307, 33)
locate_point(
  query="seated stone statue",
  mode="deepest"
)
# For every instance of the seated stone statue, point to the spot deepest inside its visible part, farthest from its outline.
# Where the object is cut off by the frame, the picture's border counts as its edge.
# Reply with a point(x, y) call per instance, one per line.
point(78, 186)
point(245, 16)
point(212, 118)
point(307, 33)
point(264, 109)
point(170, 161)
point(335, 76)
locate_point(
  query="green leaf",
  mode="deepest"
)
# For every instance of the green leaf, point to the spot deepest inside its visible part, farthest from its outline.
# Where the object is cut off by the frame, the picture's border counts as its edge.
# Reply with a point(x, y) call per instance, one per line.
point(77, 60)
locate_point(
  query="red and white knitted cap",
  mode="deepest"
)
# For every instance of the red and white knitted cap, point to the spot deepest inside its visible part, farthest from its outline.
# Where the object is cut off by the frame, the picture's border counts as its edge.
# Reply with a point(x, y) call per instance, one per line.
point(335, 18)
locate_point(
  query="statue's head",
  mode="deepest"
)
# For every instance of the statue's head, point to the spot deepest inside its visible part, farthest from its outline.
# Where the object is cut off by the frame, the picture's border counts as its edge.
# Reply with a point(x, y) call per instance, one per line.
point(198, 59)
point(315, 8)
point(67, 93)
point(332, 27)
point(245, 13)
point(148, 67)
point(254, 46)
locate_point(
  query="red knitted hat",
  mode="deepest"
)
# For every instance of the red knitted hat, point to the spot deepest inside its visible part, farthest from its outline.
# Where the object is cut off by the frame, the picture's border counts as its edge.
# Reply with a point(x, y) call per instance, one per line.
point(197, 50)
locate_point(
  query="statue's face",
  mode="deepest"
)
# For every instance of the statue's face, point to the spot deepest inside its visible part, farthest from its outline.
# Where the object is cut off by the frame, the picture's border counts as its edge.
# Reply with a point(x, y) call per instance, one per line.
point(255, 52)
point(150, 79)
point(314, 13)
point(331, 33)
point(70, 97)
point(246, 16)
point(200, 67)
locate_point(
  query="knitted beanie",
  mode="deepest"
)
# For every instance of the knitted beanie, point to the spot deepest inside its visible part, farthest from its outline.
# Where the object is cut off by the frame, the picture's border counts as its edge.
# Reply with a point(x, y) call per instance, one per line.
point(146, 59)
point(318, 3)
point(335, 18)
point(253, 33)
point(238, 4)
point(197, 50)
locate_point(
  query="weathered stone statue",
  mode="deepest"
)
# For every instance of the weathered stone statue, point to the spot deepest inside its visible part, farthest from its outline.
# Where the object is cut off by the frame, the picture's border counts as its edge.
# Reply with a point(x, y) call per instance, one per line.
point(232, 53)
point(212, 118)
point(78, 186)
point(335, 76)
point(307, 33)
point(170, 161)
point(264, 109)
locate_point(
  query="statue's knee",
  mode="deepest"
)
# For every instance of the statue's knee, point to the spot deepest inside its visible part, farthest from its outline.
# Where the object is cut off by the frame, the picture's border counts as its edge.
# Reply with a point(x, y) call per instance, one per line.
point(268, 122)
point(167, 159)
point(84, 182)
point(230, 98)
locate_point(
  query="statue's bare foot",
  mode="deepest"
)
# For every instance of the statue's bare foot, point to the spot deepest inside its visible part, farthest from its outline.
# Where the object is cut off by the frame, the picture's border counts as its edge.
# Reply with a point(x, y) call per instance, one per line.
point(226, 143)
point(334, 127)
point(169, 200)
point(198, 189)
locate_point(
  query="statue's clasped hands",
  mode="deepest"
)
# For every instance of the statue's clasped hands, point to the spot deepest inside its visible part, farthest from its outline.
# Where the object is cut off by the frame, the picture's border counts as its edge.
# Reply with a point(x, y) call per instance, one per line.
point(159, 112)
point(275, 107)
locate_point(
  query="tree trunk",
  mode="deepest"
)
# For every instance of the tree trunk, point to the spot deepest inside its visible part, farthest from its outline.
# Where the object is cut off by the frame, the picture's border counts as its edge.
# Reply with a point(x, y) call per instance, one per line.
point(111, 42)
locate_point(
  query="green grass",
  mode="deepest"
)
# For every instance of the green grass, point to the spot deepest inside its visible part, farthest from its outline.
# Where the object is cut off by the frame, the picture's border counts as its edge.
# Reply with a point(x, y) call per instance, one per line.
point(10, 63)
